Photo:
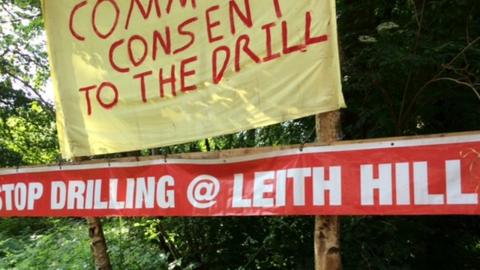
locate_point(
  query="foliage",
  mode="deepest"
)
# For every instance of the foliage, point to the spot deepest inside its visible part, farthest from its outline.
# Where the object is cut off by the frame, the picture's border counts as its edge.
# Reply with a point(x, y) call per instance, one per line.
point(448, 242)
point(27, 129)
point(52, 245)
point(64, 244)
point(410, 67)
point(243, 243)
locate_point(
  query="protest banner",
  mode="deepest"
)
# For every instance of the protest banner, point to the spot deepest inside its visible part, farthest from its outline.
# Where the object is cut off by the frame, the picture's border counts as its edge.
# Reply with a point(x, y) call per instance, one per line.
point(136, 74)
point(395, 177)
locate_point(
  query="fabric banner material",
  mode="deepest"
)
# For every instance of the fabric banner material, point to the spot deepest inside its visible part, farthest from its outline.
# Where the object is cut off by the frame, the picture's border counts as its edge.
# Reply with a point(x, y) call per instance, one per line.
point(138, 74)
point(412, 177)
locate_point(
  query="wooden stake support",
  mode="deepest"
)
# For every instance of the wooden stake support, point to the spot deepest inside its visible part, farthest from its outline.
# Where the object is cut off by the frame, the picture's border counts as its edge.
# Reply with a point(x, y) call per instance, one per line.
point(327, 228)
point(98, 244)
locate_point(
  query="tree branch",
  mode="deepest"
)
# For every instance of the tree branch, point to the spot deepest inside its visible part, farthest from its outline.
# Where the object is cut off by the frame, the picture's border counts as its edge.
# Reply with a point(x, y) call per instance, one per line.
point(436, 77)
point(419, 19)
point(472, 87)
point(43, 102)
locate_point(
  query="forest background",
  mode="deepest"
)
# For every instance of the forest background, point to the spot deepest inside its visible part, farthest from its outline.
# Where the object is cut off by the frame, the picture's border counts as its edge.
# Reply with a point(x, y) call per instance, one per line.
point(409, 67)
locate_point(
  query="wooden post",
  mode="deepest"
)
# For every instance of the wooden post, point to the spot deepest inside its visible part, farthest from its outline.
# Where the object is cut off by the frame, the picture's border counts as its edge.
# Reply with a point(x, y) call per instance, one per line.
point(98, 244)
point(327, 228)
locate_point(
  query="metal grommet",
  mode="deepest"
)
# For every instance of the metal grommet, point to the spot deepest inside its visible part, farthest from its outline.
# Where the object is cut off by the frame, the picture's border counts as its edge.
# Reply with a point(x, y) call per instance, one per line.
point(302, 145)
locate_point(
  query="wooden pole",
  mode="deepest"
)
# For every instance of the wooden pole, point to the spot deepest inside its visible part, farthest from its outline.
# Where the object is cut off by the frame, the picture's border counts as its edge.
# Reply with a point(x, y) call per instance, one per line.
point(98, 245)
point(327, 228)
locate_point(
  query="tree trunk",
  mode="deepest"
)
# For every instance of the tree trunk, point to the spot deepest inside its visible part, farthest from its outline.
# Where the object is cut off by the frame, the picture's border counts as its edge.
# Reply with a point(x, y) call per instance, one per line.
point(98, 244)
point(327, 228)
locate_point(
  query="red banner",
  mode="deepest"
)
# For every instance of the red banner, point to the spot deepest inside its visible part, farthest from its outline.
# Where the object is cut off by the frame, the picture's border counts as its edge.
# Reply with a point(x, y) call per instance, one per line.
point(404, 177)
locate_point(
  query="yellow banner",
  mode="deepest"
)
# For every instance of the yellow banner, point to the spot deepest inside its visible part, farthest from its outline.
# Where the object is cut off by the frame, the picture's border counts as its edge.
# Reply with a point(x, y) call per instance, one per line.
point(137, 74)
